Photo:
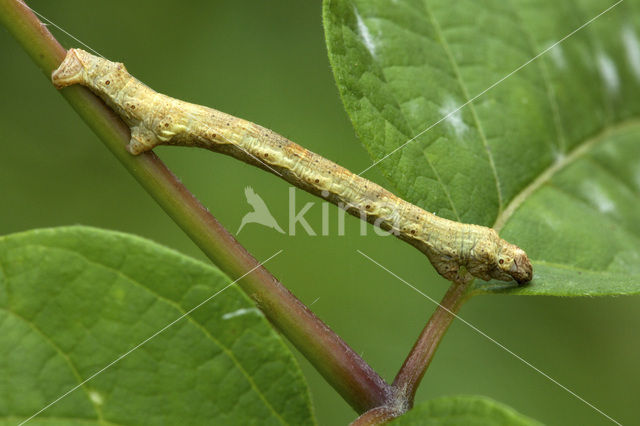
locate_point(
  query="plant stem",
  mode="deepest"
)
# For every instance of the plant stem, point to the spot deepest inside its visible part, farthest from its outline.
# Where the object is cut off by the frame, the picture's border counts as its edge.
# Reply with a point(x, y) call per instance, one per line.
point(415, 365)
point(377, 416)
point(347, 372)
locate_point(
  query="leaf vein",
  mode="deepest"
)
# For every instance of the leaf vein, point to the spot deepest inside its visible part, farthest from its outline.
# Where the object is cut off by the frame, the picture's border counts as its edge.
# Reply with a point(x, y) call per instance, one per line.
point(60, 352)
point(544, 73)
point(463, 87)
point(580, 150)
point(182, 311)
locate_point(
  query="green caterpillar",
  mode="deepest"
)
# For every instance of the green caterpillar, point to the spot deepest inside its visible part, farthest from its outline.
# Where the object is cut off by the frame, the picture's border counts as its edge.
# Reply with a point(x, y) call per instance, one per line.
point(458, 251)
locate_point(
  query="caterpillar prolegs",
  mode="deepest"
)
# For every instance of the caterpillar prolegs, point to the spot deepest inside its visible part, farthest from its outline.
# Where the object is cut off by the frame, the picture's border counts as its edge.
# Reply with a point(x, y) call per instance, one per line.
point(458, 251)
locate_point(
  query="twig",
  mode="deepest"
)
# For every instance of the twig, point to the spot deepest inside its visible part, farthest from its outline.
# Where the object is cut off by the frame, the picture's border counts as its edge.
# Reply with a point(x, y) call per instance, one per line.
point(408, 379)
point(377, 416)
point(347, 372)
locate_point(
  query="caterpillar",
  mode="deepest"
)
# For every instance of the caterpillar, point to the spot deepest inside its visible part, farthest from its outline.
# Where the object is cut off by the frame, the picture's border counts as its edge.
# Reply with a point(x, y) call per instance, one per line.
point(458, 251)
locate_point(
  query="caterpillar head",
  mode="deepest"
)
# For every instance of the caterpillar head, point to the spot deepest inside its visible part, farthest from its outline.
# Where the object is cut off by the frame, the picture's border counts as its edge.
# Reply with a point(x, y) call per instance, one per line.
point(512, 263)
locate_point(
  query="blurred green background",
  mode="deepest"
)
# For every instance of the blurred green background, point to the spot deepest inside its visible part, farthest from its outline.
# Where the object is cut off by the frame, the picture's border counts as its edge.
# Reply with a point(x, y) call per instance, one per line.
point(266, 61)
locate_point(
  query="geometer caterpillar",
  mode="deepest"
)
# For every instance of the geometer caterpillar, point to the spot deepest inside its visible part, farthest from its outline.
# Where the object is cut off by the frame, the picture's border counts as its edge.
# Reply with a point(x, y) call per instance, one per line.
point(458, 251)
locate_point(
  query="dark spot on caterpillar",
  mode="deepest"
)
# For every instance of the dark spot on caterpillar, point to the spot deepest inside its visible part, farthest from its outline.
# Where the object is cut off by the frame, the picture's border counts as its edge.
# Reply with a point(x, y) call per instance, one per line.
point(133, 107)
point(317, 180)
point(266, 155)
point(166, 124)
point(501, 261)
point(413, 231)
point(107, 82)
point(367, 207)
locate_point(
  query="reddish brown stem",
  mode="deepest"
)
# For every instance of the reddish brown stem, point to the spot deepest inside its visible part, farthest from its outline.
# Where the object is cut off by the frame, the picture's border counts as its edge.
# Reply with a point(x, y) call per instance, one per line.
point(347, 372)
point(377, 416)
point(415, 365)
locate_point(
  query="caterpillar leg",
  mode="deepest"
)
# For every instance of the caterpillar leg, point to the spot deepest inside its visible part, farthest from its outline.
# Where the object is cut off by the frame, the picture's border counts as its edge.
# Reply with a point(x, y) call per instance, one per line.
point(142, 140)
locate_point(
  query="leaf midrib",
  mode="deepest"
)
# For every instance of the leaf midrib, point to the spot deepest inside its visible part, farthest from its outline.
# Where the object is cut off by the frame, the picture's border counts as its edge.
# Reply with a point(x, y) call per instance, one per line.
point(575, 154)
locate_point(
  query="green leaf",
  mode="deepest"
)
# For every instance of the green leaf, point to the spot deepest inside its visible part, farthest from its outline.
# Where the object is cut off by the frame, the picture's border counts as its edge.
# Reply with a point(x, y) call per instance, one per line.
point(74, 299)
point(463, 410)
point(549, 156)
